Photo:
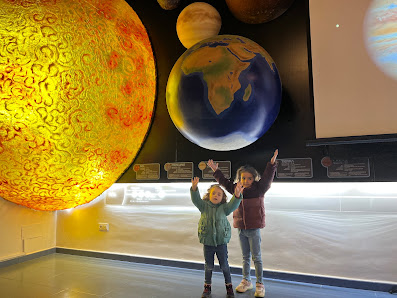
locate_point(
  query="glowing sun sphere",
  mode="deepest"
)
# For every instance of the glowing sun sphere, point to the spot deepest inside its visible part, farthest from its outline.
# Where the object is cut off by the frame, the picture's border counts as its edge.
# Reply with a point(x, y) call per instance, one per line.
point(77, 87)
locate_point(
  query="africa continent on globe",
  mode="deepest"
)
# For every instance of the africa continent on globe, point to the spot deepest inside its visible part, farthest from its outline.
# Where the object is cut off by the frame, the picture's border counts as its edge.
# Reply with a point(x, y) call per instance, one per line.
point(224, 93)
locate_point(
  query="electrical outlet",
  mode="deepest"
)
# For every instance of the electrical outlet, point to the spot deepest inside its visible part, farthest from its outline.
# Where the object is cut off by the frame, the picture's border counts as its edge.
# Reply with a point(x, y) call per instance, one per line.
point(103, 227)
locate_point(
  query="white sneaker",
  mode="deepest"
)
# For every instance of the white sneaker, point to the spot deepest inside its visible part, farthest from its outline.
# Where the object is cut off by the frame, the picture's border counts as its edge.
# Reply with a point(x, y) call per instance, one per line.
point(260, 290)
point(244, 286)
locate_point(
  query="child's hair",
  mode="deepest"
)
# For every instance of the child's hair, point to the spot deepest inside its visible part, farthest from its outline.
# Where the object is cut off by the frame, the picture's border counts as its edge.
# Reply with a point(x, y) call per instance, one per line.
point(207, 195)
point(247, 169)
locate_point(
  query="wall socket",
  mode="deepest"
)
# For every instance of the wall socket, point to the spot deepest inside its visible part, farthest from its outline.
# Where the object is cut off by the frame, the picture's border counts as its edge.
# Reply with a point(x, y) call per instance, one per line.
point(103, 227)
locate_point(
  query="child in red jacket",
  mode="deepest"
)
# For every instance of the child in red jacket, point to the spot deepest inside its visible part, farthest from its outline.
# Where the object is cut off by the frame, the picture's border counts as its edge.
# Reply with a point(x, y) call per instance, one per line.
point(249, 217)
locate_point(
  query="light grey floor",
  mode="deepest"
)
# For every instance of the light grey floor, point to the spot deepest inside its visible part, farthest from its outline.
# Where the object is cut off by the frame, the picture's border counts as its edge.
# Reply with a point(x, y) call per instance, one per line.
point(61, 275)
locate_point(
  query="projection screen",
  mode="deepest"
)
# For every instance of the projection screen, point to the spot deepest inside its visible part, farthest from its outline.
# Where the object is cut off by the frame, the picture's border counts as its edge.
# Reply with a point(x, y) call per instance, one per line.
point(354, 64)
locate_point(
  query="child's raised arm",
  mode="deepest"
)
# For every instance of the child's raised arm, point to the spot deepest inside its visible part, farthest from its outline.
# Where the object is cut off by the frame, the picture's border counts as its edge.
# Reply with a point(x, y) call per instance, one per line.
point(195, 195)
point(195, 181)
point(238, 189)
point(235, 200)
point(220, 178)
point(212, 165)
point(273, 160)
point(268, 175)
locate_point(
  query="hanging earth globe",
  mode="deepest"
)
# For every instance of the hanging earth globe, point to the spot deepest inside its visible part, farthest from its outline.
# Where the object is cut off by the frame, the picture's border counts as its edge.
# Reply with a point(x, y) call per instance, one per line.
point(224, 93)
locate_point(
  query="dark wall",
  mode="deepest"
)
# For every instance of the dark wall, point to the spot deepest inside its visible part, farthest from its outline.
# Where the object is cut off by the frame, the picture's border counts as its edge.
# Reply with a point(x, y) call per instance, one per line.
point(287, 40)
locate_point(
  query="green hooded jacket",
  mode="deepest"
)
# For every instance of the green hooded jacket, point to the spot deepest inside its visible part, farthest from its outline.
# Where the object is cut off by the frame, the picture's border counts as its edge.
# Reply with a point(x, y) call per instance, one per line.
point(214, 228)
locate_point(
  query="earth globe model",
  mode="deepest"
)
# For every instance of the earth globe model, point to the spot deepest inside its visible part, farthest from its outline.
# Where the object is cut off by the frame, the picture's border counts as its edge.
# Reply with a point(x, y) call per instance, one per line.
point(224, 93)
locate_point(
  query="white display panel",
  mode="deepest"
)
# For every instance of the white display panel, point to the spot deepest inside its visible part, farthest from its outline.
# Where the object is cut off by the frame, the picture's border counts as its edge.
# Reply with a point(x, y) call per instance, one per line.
point(354, 58)
point(344, 230)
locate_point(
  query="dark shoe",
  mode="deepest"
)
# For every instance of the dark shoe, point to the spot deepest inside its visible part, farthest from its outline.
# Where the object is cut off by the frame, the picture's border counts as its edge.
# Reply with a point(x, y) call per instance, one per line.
point(229, 291)
point(207, 291)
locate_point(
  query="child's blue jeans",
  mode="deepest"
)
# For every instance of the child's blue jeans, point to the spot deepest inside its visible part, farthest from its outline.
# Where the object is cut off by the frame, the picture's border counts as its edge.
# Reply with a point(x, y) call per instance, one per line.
point(250, 242)
point(209, 256)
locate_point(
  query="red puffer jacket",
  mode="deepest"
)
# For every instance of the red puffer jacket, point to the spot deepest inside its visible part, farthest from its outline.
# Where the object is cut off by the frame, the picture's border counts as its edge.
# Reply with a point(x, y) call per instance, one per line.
point(251, 212)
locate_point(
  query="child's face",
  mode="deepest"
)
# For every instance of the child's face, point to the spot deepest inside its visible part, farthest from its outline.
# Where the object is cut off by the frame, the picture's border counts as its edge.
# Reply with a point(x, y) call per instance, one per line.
point(216, 195)
point(246, 179)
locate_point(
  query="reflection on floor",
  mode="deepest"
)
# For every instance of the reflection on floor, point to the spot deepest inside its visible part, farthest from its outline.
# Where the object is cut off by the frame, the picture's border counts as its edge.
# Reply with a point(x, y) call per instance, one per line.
point(61, 275)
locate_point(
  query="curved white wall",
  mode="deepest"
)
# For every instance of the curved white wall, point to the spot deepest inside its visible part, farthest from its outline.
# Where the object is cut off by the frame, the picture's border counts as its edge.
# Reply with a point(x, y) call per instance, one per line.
point(345, 230)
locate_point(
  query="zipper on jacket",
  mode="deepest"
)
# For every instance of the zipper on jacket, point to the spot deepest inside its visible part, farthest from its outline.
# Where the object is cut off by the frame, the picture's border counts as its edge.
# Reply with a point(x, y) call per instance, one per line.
point(245, 225)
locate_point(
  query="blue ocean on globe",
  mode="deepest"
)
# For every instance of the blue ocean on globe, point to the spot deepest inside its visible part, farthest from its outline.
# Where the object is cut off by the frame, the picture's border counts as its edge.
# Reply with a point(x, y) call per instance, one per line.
point(224, 93)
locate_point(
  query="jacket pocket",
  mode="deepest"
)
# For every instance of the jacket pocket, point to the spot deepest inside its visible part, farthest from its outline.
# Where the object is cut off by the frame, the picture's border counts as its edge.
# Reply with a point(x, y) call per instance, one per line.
point(226, 231)
point(202, 232)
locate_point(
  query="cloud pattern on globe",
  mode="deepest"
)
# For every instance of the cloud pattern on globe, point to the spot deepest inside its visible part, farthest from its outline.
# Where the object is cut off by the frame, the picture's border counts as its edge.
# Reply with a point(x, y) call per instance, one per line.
point(224, 93)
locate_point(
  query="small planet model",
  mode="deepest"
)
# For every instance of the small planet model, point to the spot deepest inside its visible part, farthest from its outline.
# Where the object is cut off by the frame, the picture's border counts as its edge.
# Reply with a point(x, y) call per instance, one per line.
point(197, 22)
point(78, 86)
point(168, 4)
point(380, 30)
point(224, 93)
point(258, 11)
point(326, 161)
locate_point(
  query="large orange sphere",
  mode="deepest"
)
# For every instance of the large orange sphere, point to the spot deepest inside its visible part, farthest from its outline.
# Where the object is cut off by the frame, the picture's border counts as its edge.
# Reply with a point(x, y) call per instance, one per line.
point(77, 87)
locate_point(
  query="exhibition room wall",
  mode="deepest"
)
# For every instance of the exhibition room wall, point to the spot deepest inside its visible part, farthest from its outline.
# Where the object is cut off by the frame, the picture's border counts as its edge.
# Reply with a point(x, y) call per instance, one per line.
point(24, 231)
point(338, 227)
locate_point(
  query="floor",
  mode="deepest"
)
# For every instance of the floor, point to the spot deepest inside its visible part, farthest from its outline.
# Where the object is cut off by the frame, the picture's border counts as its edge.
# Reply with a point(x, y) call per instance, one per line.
point(62, 275)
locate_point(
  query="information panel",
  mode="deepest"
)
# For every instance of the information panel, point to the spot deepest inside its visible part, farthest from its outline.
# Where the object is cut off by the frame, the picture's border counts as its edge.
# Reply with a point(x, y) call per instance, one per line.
point(294, 168)
point(148, 171)
point(207, 173)
point(179, 170)
point(353, 168)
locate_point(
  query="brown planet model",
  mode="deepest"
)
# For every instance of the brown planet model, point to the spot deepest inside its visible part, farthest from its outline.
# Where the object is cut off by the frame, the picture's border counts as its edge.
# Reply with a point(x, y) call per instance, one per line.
point(168, 4)
point(258, 11)
point(196, 22)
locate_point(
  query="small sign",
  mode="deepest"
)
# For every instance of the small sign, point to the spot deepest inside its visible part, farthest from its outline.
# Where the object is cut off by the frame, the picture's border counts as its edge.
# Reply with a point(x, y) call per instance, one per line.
point(294, 168)
point(179, 170)
point(223, 166)
point(353, 168)
point(147, 171)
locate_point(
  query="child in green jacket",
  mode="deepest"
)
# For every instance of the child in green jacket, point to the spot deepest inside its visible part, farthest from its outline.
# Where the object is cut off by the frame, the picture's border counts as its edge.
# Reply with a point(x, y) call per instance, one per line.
point(214, 230)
